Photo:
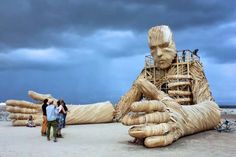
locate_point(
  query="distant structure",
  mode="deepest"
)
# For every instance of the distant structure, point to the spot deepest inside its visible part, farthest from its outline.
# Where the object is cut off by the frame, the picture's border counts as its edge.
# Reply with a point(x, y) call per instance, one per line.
point(3, 113)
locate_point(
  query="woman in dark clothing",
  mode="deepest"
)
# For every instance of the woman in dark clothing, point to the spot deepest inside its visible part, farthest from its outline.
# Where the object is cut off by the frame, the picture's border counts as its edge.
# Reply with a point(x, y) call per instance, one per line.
point(66, 110)
point(60, 118)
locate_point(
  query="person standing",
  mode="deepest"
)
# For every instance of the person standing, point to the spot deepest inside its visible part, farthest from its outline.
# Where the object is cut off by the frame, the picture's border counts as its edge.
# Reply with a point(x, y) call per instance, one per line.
point(60, 118)
point(52, 114)
point(66, 110)
point(44, 123)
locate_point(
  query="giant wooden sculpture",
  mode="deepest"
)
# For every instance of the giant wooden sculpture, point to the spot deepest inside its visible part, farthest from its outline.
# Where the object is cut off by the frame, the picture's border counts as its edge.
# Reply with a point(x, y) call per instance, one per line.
point(164, 117)
point(170, 98)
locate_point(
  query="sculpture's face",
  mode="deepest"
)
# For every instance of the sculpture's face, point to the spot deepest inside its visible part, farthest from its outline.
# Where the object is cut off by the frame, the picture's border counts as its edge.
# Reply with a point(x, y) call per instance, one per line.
point(162, 46)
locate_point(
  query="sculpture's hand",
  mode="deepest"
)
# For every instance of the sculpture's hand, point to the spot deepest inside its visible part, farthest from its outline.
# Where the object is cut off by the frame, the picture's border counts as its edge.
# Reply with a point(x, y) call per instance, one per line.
point(161, 122)
point(21, 110)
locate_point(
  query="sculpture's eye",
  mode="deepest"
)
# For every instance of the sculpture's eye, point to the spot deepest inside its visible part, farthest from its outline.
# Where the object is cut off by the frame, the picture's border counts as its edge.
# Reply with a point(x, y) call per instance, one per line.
point(152, 47)
point(168, 50)
point(164, 45)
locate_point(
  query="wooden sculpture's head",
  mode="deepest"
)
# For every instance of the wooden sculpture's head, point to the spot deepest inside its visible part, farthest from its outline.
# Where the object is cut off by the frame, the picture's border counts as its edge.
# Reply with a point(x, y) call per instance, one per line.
point(162, 46)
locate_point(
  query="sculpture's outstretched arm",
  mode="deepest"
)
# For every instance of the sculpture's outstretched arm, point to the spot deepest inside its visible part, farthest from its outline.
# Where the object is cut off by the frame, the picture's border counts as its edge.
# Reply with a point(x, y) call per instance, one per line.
point(123, 106)
point(78, 114)
point(162, 121)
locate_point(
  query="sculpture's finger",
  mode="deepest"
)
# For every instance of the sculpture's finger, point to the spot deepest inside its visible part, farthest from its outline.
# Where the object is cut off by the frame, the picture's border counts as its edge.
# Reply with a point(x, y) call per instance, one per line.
point(159, 141)
point(23, 122)
point(149, 130)
point(136, 119)
point(148, 106)
point(19, 122)
point(133, 119)
point(21, 116)
point(12, 109)
point(40, 97)
point(149, 90)
point(24, 104)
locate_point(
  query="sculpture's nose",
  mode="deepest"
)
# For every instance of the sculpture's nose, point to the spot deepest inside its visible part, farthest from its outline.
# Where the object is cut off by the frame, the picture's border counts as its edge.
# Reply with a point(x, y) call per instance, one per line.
point(159, 52)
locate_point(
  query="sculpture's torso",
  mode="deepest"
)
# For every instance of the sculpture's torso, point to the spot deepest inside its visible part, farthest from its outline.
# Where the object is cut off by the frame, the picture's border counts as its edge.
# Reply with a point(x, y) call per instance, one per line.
point(184, 81)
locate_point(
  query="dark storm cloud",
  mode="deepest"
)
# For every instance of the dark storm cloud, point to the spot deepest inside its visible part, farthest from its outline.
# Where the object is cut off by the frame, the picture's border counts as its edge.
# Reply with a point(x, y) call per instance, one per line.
point(215, 42)
point(87, 51)
point(29, 23)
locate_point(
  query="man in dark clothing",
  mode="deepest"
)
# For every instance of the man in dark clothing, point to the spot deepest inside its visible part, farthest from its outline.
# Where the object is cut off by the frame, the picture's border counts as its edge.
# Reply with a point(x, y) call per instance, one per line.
point(44, 123)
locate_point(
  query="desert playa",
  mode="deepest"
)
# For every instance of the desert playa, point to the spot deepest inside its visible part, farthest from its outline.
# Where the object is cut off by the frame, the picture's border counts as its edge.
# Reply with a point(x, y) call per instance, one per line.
point(107, 140)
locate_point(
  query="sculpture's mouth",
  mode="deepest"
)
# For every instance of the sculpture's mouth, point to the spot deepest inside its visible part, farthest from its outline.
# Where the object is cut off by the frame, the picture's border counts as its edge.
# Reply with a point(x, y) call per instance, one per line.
point(162, 61)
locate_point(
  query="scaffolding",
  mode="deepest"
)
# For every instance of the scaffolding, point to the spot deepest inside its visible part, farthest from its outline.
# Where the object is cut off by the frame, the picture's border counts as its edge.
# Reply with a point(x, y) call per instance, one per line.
point(176, 81)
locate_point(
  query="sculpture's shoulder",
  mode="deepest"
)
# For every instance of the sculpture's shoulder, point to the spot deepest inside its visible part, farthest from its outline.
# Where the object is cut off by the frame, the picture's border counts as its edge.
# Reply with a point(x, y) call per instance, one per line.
point(199, 84)
point(196, 70)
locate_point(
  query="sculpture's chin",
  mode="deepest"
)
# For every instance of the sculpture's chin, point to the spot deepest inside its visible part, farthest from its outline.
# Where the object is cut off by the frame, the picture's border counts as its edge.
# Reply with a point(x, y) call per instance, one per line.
point(164, 66)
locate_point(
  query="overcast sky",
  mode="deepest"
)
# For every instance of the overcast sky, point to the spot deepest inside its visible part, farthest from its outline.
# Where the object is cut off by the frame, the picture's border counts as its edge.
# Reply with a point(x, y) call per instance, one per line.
point(87, 51)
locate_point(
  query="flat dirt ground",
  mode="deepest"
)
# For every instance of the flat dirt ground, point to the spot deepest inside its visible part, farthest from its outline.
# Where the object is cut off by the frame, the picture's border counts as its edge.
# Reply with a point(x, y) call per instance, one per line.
point(108, 140)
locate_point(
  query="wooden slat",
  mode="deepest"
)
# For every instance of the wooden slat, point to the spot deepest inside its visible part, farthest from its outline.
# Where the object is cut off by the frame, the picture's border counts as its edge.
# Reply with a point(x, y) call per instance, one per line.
point(183, 100)
point(174, 84)
point(179, 77)
point(179, 93)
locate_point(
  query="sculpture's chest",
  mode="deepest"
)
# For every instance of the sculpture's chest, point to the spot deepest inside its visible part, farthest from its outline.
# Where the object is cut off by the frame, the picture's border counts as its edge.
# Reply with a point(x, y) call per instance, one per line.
point(176, 81)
